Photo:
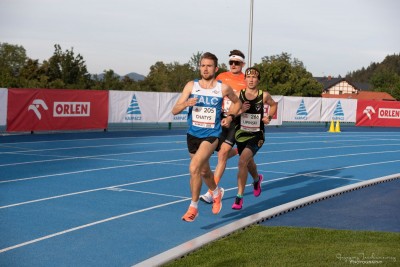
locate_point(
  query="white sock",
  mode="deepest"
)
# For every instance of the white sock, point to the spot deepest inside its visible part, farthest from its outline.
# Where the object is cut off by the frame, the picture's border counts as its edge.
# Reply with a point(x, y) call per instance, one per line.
point(216, 192)
point(194, 204)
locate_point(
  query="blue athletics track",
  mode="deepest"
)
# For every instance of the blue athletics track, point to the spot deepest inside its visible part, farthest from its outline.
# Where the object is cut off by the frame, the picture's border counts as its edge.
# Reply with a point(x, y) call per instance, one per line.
point(116, 198)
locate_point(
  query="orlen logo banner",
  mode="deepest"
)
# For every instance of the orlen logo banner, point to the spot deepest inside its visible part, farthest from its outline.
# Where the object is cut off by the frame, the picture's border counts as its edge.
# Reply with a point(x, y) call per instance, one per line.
point(55, 109)
point(378, 113)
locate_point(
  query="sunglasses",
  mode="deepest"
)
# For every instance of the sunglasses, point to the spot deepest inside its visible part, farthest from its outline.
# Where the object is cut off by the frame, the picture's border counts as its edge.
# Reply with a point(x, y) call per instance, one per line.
point(236, 63)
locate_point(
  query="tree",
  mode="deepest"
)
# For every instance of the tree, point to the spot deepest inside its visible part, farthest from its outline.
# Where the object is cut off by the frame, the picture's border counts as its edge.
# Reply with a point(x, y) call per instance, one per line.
point(384, 76)
point(386, 80)
point(109, 81)
point(194, 61)
point(65, 70)
point(281, 75)
point(12, 60)
point(170, 77)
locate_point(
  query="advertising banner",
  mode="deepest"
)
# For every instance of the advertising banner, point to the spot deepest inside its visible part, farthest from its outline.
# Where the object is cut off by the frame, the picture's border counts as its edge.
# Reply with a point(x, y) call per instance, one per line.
point(134, 107)
point(277, 118)
point(378, 113)
point(343, 110)
point(50, 109)
point(302, 109)
point(3, 106)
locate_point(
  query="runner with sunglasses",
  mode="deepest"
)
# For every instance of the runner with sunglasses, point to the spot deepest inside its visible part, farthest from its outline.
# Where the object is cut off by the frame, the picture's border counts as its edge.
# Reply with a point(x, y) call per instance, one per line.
point(235, 79)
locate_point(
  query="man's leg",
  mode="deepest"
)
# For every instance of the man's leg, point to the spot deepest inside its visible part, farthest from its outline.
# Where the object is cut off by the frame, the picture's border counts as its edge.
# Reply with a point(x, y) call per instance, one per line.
point(245, 157)
point(223, 155)
point(208, 177)
point(200, 166)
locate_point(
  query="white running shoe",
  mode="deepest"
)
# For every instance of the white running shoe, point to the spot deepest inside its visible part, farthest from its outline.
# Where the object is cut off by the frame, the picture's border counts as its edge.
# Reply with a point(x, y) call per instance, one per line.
point(207, 198)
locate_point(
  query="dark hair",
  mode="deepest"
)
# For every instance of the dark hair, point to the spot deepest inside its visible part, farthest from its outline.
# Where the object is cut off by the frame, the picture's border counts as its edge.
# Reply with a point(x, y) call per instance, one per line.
point(211, 56)
point(253, 71)
point(236, 52)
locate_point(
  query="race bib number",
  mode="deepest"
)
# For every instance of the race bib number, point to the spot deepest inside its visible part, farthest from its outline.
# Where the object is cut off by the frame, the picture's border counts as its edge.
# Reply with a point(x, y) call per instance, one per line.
point(250, 122)
point(203, 117)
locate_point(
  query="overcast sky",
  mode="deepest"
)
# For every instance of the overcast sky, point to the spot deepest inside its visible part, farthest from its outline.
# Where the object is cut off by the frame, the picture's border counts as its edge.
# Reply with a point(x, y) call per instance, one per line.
point(329, 37)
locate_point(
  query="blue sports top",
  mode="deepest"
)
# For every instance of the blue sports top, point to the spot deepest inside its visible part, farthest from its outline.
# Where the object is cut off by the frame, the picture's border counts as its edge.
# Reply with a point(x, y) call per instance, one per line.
point(204, 119)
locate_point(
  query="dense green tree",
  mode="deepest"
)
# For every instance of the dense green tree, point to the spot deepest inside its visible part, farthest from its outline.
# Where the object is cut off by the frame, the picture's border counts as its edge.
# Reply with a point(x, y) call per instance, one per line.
point(384, 76)
point(65, 70)
point(281, 75)
point(194, 61)
point(129, 85)
point(386, 80)
point(109, 81)
point(170, 77)
point(12, 60)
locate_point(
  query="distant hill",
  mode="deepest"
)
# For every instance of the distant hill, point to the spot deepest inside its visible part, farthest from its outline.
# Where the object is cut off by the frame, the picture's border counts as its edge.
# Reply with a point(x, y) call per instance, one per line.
point(135, 76)
point(132, 75)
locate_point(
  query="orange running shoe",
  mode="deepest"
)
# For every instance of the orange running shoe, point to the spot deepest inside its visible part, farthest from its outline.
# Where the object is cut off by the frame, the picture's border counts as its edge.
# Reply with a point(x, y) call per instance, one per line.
point(217, 201)
point(191, 214)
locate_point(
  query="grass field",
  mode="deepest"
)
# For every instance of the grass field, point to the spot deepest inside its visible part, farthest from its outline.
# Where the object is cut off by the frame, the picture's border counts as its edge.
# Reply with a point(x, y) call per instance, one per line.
point(289, 246)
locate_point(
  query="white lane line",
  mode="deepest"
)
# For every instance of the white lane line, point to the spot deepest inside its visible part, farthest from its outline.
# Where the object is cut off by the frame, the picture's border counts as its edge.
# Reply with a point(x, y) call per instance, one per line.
point(162, 162)
point(90, 170)
point(323, 148)
point(143, 192)
point(100, 139)
point(180, 175)
point(85, 147)
point(143, 210)
point(61, 158)
point(88, 225)
point(91, 190)
point(327, 157)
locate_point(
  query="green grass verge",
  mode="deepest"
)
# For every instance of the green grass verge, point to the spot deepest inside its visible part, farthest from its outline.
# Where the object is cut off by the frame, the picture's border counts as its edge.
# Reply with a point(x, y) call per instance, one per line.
point(290, 246)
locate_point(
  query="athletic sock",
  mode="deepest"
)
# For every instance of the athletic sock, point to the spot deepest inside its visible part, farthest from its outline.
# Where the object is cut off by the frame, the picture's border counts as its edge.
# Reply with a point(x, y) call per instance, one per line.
point(194, 204)
point(239, 196)
point(216, 192)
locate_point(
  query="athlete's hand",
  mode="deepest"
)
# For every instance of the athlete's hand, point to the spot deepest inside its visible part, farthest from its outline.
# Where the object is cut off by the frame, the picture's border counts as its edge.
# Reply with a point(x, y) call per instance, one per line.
point(266, 120)
point(191, 102)
point(245, 106)
point(226, 122)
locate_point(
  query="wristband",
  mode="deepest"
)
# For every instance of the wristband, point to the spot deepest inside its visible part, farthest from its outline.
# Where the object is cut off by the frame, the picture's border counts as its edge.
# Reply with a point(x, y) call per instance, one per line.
point(269, 117)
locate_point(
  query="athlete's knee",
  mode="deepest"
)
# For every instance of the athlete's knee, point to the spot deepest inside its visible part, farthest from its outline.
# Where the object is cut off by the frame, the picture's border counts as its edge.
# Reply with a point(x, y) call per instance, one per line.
point(194, 168)
point(242, 162)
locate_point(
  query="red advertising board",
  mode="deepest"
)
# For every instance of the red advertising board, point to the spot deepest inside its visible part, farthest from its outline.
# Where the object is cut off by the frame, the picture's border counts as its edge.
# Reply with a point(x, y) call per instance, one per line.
point(378, 113)
point(56, 109)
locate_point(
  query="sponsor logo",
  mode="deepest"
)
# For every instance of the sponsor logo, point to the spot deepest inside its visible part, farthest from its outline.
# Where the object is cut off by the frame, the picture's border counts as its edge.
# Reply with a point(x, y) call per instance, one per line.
point(71, 109)
point(36, 105)
point(210, 101)
point(301, 113)
point(389, 113)
point(133, 112)
point(338, 113)
point(369, 111)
